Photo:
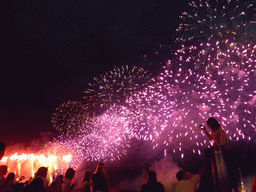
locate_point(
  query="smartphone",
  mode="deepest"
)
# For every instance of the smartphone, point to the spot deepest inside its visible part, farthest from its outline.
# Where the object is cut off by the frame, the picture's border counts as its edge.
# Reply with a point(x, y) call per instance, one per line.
point(72, 187)
point(201, 126)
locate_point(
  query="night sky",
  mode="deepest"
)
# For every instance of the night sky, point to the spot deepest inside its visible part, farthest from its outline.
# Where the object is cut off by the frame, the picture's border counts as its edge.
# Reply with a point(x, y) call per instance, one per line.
point(51, 50)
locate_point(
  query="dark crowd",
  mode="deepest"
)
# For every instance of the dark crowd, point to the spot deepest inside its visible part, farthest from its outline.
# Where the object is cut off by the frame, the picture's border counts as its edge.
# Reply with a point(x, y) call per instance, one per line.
point(218, 174)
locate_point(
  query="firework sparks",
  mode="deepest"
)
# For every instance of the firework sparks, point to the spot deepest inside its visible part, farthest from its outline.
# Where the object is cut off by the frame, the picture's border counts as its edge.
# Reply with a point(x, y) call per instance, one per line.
point(115, 86)
point(221, 55)
point(212, 74)
point(26, 164)
point(151, 110)
point(206, 20)
point(109, 137)
point(69, 118)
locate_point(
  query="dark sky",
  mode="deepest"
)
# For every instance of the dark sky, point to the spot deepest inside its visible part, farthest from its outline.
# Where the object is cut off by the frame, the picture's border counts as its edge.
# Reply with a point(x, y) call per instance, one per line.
point(51, 50)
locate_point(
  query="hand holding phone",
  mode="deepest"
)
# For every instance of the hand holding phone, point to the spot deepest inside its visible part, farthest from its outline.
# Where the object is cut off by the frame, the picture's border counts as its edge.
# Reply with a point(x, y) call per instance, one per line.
point(72, 187)
point(201, 126)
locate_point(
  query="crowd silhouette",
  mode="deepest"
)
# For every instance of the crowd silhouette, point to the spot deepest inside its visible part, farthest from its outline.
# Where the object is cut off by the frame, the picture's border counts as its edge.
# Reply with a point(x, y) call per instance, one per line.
point(218, 174)
point(91, 182)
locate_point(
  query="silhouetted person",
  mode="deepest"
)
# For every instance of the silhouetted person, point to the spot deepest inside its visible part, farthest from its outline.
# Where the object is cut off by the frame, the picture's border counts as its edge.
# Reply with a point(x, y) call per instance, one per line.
point(9, 182)
point(187, 182)
point(152, 185)
point(230, 173)
point(100, 179)
point(42, 173)
point(86, 184)
point(67, 181)
point(217, 135)
point(3, 171)
point(2, 149)
point(36, 185)
point(56, 185)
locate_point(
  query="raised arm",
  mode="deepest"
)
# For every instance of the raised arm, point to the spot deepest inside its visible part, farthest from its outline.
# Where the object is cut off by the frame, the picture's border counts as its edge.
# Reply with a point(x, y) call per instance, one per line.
point(208, 134)
point(203, 171)
point(92, 184)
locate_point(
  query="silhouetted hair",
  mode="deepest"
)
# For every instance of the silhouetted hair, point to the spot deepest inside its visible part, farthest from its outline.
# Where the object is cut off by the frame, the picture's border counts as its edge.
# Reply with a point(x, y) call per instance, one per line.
point(213, 123)
point(87, 176)
point(151, 176)
point(2, 149)
point(100, 167)
point(42, 172)
point(61, 177)
point(10, 176)
point(180, 175)
point(70, 173)
point(2, 146)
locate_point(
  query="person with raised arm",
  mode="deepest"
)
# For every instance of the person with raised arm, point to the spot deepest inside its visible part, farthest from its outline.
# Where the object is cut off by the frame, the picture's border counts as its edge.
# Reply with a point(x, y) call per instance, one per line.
point(188, 182)
point(217, 135)
point(220, 157)
point(152, 184)
point(99, 179)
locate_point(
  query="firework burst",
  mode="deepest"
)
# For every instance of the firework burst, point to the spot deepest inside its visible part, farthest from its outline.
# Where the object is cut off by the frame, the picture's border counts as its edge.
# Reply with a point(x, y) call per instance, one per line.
point(215, 57)
point(69, 118)
point(207, 20)
point(211, 74)
point(169, 113)
point(115, 86)
point(109, 137)
point(65, 153)
point(151, 109)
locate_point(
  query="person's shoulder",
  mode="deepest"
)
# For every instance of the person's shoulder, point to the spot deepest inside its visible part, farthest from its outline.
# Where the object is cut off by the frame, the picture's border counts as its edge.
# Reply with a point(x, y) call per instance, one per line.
point(2, 178)
point(195, 178)
point(161, 186)
point(83, 185)
point(179, 186)
point(98, 173)
point(143, 187)
point(95, 175)
point(159, 183)
point(66, 181)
